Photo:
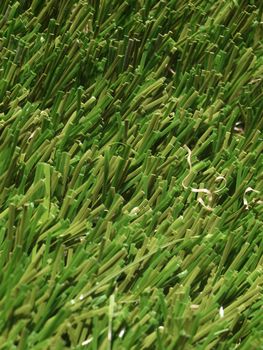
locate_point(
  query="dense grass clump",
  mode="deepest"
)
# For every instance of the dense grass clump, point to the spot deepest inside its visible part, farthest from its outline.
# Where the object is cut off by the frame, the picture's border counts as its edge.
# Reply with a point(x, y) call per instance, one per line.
point(131, 174)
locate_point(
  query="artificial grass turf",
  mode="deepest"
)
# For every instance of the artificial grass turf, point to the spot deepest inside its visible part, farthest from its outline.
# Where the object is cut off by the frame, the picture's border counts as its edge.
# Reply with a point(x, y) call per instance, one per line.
point(131, 174)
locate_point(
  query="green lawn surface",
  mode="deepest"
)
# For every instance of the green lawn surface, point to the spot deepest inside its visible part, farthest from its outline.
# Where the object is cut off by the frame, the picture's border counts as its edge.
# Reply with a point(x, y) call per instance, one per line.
point(131, 174)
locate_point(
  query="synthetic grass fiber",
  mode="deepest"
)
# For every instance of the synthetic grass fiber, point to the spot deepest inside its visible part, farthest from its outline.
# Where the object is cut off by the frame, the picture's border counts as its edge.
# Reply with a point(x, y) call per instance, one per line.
point(131, 174)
